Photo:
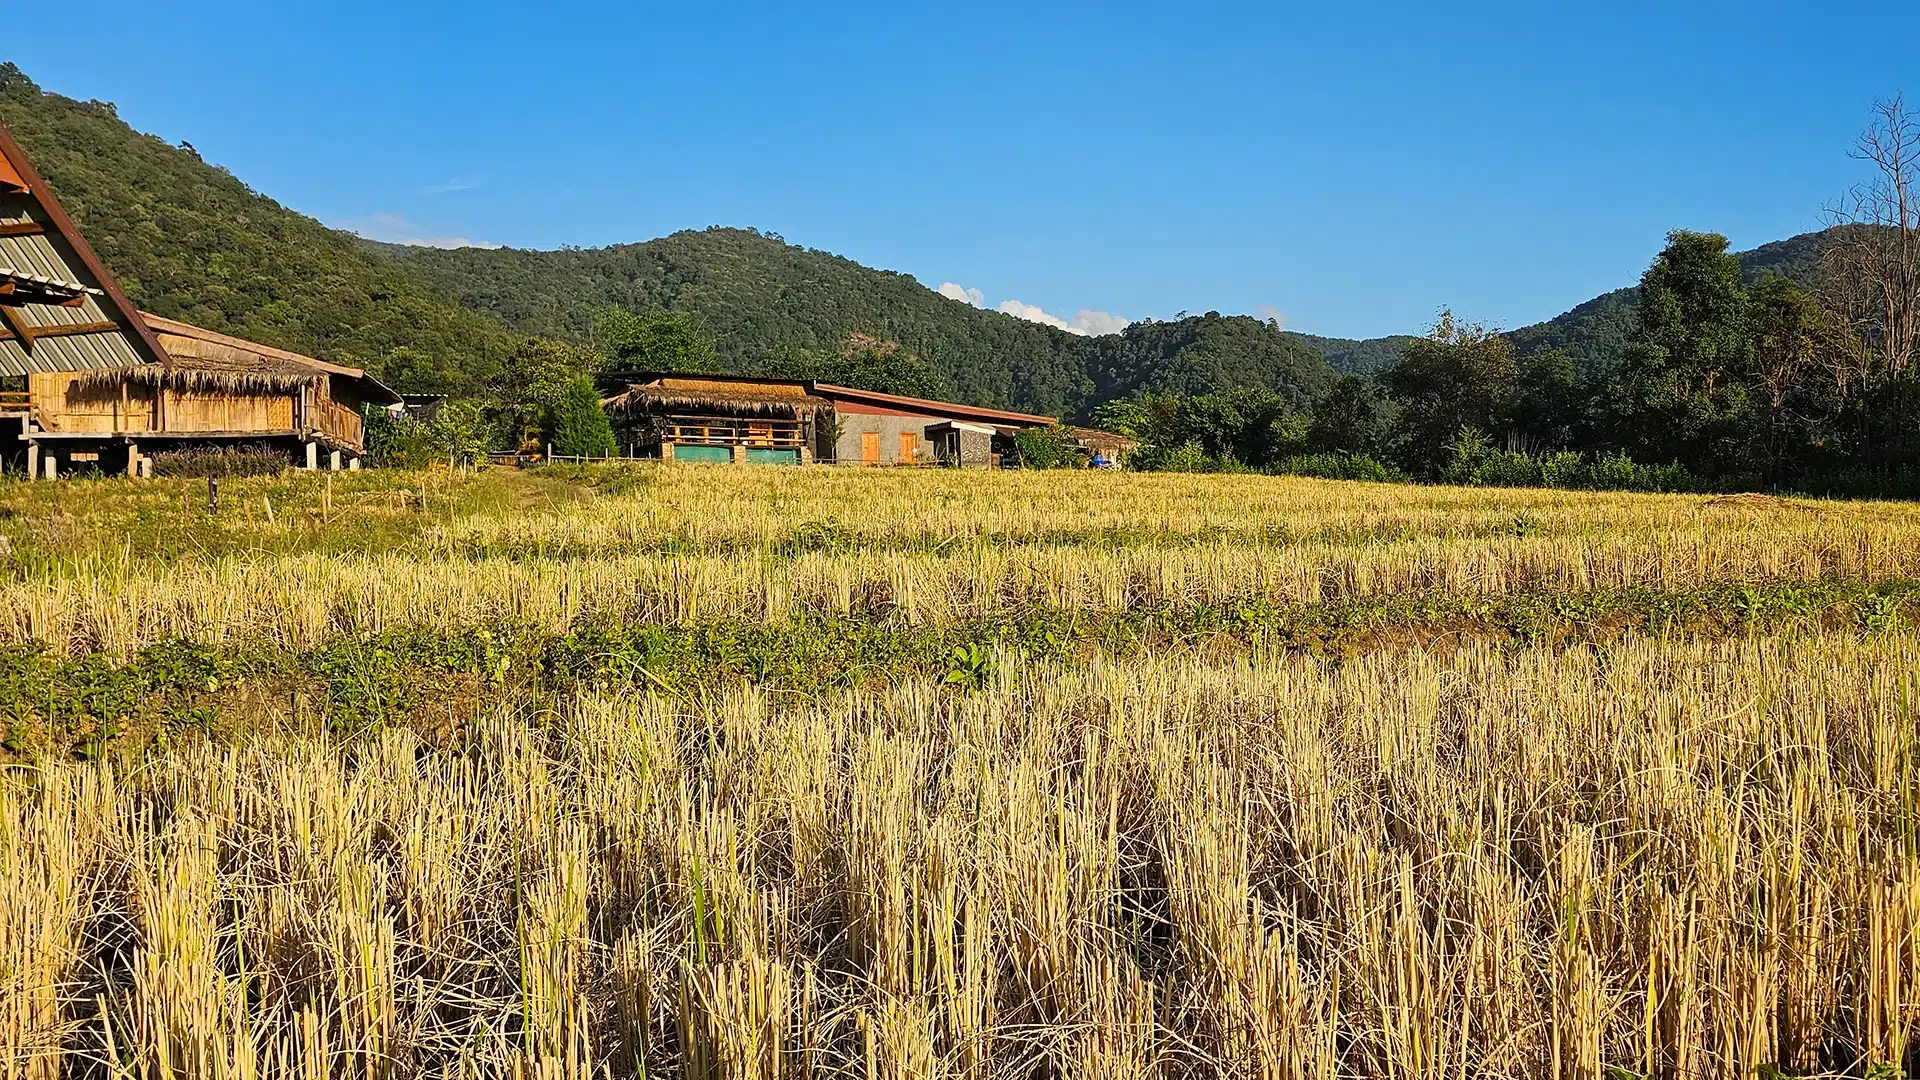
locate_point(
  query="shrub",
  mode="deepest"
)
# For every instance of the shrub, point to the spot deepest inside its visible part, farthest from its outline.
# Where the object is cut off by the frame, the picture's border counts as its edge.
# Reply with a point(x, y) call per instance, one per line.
point(580, 426)
point(223, 462)
point(1339, 466)
point(1563, 468)
point(1052, 447)
point(458, 430)
point(1187, 457)
point(399, 442)
point(1473, 459)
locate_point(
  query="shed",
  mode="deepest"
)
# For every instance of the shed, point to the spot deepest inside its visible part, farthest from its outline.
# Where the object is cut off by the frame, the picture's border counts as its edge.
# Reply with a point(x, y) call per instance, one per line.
point(796, 421)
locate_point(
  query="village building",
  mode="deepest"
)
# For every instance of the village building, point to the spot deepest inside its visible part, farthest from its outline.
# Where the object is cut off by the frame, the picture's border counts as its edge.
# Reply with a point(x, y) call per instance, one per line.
point(100, 384)
point(744, 419)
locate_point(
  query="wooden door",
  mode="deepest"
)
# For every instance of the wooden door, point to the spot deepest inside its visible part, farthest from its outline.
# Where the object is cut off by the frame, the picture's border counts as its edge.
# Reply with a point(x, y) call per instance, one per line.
point(870, 447)
point(909, 446)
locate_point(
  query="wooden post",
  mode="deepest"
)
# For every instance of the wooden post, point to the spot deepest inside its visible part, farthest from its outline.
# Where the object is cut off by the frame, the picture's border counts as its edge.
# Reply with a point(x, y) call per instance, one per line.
point(549, 453)
point(213, 494)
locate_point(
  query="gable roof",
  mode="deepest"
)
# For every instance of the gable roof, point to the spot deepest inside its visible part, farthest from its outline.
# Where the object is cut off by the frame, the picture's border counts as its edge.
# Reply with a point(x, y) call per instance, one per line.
point(60, 308)
point(1000, 417)
point(669, 389)
point(731, 393)
point(202, 352)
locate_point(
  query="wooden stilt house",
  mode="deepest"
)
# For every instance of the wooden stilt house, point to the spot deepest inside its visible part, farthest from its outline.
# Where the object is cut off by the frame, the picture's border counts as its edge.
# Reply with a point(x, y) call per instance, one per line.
point(98, 383)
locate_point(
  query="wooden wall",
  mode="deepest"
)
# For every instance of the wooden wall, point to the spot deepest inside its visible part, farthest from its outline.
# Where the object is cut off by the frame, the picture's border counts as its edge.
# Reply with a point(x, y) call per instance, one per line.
point(63, 405)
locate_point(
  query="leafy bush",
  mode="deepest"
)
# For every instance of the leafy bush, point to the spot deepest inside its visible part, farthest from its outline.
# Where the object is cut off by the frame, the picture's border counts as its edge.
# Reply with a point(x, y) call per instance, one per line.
point(1051, 447)
point(1339, 466)
point(1474, 461)
point(221, 461)
point(1187, 457)
point(458, 430)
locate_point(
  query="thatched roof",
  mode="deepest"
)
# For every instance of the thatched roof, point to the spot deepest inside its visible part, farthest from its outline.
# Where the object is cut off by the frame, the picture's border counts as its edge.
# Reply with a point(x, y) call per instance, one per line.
point(722, 397)
point(1095, 439)
point(195, 376)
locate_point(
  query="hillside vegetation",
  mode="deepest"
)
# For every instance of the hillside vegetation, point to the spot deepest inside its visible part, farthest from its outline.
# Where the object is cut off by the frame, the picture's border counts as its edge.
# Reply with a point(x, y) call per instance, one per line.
point(1722, 386)
point(190, 241)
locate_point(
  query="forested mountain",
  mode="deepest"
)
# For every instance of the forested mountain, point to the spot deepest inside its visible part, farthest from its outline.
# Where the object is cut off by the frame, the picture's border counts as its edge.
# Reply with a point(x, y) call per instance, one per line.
point(1593, 333)
point(191, 241)
point(1355, 357)
point(762, 299)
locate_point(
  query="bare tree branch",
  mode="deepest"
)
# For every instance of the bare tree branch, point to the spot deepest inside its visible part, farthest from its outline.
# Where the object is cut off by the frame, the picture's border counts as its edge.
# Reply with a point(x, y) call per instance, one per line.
point(1873, 258)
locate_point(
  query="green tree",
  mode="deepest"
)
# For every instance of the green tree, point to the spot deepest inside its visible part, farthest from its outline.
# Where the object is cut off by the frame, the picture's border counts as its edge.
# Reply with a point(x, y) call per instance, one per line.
point(1801, 358)
point(1354, 417)
point(580, 425)
point(534, 382)
point(656, 340)
point(1680, 393)
point(1461, 375)
point(866, 363)
point(459, 430)
point(1546, 407)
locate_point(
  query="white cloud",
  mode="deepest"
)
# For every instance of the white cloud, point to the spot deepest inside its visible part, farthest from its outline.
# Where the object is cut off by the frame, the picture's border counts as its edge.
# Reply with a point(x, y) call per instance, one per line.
point(963, 294)
point(1088, 323)
point(1099, 323)
point(1269, 313)
point(394, 229)
point(1035, 314)
point(458, 183)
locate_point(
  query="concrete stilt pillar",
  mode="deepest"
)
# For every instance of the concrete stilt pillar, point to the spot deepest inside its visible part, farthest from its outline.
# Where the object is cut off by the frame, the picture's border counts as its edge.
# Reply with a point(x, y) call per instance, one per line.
point(51, 464)
point(353, 464)
point(313, 455)
point(333, 461)
point(666, 452)
point(133, 458)
point(33, 461)
point(146, 468)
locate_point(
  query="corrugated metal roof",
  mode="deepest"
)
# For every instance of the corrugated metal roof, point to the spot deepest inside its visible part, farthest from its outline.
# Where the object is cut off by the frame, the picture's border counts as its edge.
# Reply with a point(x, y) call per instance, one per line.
point(103, 329)
point(75, 352)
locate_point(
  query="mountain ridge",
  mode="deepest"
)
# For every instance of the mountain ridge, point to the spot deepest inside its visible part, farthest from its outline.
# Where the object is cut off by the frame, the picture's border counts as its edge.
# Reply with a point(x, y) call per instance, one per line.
point(191, 241)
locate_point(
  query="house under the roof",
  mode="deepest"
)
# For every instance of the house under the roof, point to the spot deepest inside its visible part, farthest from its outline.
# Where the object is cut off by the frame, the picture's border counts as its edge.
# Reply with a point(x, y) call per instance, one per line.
point(105, 385)
point(795, 421)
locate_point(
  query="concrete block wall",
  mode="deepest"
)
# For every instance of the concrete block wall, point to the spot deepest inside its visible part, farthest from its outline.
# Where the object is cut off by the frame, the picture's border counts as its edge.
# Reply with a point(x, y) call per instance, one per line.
point(853, 426)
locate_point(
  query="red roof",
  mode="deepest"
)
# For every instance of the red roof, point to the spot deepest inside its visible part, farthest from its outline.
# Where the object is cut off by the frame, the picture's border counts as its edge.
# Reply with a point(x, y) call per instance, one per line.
point(923, 405)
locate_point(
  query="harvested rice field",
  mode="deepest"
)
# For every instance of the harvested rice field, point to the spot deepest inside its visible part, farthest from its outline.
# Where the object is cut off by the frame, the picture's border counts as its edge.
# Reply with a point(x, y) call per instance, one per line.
point(748, 772)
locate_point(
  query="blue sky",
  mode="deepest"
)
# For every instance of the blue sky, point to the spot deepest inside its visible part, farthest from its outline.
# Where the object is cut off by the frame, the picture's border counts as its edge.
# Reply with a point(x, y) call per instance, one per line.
point(1350, 167)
